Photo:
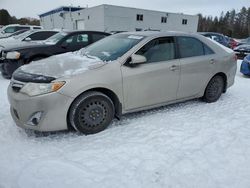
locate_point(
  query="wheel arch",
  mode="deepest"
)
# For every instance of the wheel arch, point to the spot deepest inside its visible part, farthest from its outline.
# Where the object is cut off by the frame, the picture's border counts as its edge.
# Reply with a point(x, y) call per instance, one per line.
point(111, 94)
point(224, 76)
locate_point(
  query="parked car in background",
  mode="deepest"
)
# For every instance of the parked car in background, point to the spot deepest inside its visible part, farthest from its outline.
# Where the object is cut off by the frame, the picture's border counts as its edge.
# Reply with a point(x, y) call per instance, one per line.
point(120, 74)
point(218, 37)
point(245, 66)
point(242, 50)
point(30, 35)
point(9, 29)
point(17, 55)
point(233, 43)
point(15, 33)
point(245, 41)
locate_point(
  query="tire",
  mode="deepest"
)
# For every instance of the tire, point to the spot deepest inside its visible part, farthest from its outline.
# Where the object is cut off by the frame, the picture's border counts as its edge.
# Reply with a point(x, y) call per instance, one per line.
point(91, 113)
point(214, 89)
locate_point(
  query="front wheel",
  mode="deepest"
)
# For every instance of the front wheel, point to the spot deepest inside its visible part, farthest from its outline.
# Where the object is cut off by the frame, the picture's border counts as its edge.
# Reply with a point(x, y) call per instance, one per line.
point(214, 89)
point(91, 113)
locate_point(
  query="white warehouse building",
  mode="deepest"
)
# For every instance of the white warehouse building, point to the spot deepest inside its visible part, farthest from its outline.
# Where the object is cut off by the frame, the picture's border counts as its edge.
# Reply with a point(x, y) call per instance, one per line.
point(110, 18)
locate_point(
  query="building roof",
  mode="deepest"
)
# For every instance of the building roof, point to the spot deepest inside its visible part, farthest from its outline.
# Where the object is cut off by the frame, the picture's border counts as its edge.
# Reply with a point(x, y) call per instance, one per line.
point(61, 9)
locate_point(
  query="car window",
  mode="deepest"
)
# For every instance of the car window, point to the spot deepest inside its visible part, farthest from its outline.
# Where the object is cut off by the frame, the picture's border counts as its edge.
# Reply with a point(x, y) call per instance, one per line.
point(190, 47)
point(113, 47)
point(56, 38)
point(207, 50)
point(41, 35)
point(82, 38)
point(11, 29)
point(69, 40)
point(22, 27)
point(217, 38)
point(161, 49)
point(97, 36)
point(78, 39)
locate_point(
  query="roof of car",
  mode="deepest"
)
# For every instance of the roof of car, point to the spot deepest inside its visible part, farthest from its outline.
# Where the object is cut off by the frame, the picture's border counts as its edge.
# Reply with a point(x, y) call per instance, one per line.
point(158, 33)
point(214, 33)
point(80, 31)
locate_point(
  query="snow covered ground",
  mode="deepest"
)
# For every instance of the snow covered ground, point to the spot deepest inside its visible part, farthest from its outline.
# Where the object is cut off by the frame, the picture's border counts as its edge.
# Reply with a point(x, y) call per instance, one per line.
point(192, 144)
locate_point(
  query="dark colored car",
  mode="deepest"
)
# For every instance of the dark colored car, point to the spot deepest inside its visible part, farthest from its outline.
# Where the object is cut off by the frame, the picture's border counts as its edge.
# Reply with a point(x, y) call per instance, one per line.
point(245, 66)
point(66, 41)
point(244, 41)
point(242, 50)
point(220, 38)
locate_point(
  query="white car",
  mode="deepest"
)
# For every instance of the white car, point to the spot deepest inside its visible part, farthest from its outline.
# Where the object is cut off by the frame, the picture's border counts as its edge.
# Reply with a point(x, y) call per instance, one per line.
point(9, 29)
point(30, 35)
point(119, 74)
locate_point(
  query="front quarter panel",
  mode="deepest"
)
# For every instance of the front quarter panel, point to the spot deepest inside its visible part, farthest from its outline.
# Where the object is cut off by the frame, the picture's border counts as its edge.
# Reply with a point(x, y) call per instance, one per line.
point(108, 77)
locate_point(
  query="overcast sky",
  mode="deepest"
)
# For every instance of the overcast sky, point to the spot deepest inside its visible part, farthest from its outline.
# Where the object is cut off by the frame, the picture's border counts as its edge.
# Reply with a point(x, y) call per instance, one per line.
point(32, 8)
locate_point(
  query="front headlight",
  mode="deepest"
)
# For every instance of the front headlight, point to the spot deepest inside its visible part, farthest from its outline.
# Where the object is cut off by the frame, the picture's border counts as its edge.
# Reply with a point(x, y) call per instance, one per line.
point(13, 55)
point(34, 89)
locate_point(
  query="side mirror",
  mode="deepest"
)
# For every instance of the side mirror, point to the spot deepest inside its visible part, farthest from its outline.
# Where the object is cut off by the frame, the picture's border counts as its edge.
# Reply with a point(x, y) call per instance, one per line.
point(27, 39)
point(138, 59)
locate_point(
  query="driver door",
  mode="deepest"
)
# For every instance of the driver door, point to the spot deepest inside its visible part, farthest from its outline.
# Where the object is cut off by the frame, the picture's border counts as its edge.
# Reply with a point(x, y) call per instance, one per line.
point(155, 81)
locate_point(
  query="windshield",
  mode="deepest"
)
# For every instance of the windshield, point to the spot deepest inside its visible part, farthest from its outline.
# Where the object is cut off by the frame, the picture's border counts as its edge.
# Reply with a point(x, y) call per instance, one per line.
point(23, 35)
point(113, 47)
point(55, 38)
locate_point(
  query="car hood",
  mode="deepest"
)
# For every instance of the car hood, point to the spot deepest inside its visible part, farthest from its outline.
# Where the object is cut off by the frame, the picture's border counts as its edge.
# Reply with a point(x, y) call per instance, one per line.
point(63, 65)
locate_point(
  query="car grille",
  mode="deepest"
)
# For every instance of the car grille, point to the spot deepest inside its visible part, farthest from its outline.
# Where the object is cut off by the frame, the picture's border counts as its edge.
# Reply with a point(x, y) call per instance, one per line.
point(16, 86)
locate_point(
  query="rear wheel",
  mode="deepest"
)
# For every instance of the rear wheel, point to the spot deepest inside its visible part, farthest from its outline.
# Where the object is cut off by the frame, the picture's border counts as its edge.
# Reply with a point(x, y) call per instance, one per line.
point(214, 89)
point(91, 113)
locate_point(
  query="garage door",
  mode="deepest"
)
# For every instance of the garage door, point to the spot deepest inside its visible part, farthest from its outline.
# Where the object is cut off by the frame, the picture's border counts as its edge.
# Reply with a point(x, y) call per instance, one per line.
point(80, 25)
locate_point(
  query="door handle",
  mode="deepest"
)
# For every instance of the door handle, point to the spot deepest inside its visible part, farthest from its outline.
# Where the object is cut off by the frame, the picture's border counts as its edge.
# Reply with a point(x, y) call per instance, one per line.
point(212, 61)
point(174, 67)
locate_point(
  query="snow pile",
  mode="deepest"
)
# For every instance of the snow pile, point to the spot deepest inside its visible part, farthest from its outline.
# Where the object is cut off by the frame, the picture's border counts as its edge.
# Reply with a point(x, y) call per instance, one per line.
point(191, 144)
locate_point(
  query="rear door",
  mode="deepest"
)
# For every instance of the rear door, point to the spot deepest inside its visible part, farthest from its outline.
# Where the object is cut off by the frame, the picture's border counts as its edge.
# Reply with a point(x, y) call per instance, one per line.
point(197, 66)
point(155, 81)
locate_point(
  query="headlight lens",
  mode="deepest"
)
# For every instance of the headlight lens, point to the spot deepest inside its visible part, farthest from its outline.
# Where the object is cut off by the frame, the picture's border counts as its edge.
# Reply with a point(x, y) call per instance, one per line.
point(34, 89)
point(13, 55)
